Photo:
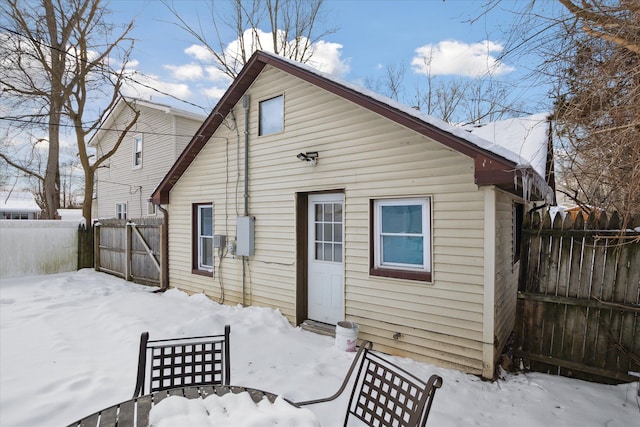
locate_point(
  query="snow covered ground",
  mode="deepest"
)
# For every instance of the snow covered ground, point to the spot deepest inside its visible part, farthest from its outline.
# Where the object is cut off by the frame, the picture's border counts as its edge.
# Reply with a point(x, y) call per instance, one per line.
point(69, 346)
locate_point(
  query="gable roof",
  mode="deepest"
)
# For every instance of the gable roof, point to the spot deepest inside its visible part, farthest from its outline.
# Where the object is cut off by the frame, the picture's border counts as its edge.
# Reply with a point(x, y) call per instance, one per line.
point(494, 164)
point(109, 120)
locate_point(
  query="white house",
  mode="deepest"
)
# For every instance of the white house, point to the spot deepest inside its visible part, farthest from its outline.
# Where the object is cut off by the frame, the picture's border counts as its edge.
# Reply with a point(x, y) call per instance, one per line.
point(18, 205)
point(124, 184)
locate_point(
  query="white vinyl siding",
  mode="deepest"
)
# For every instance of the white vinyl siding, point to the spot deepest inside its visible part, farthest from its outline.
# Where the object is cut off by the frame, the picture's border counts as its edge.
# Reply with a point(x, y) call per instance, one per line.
point(368, 158)
point(506, 280)
point(164, 137)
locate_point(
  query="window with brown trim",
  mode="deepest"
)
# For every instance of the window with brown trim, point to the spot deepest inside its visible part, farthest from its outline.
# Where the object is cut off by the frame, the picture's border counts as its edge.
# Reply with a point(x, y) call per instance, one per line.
point(202, 238)
point(401, 238)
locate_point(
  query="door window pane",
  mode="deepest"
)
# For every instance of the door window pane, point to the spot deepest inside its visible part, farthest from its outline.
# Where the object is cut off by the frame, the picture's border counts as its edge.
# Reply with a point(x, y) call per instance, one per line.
point(337, 212)
point(337, 233)
point(328, 232)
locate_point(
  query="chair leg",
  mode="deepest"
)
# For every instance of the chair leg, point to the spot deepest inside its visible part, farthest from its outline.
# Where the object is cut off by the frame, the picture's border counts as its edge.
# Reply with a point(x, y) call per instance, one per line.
point(142, 364)
point(227, 355)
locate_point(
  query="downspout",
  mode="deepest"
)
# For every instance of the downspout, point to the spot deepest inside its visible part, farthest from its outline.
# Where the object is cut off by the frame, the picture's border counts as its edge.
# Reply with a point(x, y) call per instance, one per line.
point(245, 105)
point(164, 255)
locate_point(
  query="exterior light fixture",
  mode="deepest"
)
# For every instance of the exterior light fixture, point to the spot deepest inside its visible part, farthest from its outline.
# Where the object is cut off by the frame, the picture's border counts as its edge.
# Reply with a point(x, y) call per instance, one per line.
point(310, 156)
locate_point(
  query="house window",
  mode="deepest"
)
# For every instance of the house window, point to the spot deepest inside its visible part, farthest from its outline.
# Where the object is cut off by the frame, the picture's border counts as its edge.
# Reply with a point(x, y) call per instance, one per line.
point(14, 215)
point(151, 209)
point(271, 113)
point(518, 217)
point(203, 238)
point(121, 210)
point(137, 152)
point(401, 238)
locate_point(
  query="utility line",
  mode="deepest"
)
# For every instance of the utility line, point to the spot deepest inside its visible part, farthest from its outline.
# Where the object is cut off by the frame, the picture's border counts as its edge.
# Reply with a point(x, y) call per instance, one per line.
point(123, 76)
point(13, 119)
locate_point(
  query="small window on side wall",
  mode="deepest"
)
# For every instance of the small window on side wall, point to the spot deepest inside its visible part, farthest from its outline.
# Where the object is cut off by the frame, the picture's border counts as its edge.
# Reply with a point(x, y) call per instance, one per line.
point(137, 152)
point(203, 238)
point(121, 210)
point(401, 238)
point(271, 116)
point(151, 209)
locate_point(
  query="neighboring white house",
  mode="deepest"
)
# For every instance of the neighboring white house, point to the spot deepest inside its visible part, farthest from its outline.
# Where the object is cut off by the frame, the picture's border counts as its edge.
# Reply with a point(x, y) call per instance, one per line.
point(124, 184)
point(18, 205)
point(330, 202)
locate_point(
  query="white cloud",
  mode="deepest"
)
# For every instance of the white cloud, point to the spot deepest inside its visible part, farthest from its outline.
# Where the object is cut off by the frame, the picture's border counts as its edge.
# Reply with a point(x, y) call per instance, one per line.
point(150, 86)
point(186, 71)
point(326, 58)
point(216, 75)
point(199, 52)
point(214, 92)
point(452, 57)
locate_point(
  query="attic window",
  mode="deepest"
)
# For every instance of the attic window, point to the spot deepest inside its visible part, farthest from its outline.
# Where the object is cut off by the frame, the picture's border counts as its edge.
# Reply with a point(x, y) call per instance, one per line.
point(271, 113)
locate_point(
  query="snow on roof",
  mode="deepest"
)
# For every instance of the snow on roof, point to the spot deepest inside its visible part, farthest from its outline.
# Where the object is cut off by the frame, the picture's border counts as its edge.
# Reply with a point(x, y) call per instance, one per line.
point(71, 215)
point(18, 201)
point(525, 136)
point(517, 140)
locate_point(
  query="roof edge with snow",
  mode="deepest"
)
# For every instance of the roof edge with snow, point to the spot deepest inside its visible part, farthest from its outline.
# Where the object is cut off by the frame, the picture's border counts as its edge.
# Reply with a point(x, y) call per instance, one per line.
point(494, 164)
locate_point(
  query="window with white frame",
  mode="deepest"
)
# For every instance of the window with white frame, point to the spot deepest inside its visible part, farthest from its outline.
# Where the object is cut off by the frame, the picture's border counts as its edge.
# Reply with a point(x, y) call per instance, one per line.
point(203, 238)
point(151, 209)
point(271, 115)
point(121, 210)
point(137, 151)
point(402, 238)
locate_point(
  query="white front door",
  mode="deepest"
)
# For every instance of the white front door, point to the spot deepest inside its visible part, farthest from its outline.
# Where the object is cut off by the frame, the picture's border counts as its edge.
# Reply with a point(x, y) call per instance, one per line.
point(326, 254)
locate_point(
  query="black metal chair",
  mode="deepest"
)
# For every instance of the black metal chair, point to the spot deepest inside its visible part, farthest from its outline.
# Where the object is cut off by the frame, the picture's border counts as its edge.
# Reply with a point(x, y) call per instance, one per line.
point(180, 362)
point(385, 394)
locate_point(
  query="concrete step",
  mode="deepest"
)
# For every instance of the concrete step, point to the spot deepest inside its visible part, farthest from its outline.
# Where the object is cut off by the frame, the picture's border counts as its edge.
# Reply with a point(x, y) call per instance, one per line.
point(319, 328)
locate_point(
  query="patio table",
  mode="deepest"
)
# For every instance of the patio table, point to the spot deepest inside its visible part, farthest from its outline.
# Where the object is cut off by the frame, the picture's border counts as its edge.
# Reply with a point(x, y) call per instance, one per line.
point(135, 412)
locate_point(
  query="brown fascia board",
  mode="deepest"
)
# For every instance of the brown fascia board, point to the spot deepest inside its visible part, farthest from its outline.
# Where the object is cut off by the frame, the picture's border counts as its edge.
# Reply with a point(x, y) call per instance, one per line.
point(500, 169)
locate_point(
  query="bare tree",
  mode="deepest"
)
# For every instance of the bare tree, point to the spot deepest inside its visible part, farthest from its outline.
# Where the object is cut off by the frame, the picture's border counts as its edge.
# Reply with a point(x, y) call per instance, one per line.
point(289, 28)
point(455, 100)
point(57, 65)
point(591, 51)
point(599, 105)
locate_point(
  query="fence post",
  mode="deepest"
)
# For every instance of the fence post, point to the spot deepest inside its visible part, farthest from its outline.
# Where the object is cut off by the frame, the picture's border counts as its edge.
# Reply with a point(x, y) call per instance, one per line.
point(85, 247)
point(96, 246)
point(128, 244)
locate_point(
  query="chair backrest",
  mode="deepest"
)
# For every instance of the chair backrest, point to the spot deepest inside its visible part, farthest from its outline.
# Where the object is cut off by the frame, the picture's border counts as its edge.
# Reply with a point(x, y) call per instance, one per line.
point(179, 362)
point(386, 395)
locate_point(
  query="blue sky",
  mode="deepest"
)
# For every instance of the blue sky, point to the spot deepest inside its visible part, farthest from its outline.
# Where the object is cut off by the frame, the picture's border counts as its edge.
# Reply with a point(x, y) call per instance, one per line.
point(371, 35)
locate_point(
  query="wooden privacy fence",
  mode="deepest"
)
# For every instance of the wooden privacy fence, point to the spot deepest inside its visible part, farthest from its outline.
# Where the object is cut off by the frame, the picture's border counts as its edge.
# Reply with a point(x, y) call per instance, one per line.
point(130, 249)
point(579, 297)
